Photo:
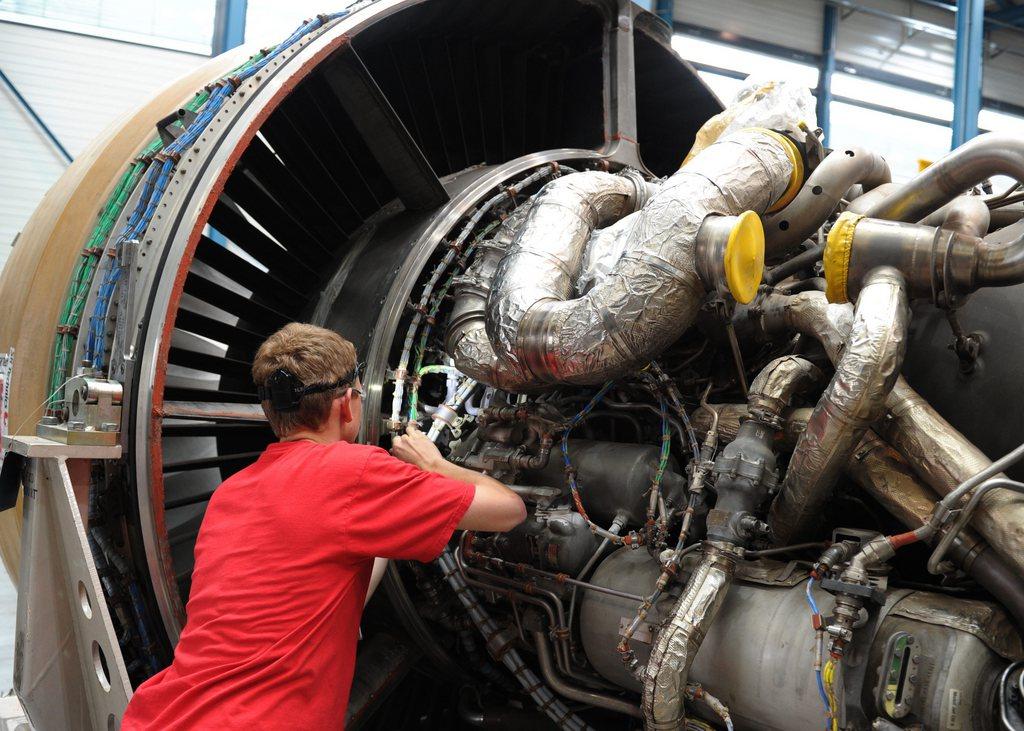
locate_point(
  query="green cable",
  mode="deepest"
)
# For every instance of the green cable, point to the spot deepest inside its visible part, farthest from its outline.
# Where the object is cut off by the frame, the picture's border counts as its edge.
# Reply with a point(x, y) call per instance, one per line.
point(85, 269)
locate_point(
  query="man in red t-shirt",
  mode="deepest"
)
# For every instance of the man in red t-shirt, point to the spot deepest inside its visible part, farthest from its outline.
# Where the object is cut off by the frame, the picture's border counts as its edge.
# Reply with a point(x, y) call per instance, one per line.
point(284, 556)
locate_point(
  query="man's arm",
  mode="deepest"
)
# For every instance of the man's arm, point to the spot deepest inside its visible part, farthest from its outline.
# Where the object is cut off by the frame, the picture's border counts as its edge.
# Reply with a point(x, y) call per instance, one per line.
point(494, 507)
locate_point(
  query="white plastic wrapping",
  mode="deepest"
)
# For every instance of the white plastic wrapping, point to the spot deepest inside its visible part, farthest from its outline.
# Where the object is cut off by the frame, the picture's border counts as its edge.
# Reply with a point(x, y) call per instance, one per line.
point(783, 105)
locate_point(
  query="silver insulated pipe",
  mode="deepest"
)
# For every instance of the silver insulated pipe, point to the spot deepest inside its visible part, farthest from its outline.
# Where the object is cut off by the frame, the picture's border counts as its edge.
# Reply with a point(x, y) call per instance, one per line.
point(865, 373)
point(466, 339)
point(654, 290)
point(678, 641)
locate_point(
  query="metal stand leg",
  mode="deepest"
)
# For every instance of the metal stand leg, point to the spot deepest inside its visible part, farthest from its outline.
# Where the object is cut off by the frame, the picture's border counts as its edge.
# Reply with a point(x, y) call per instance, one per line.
point(68, 669)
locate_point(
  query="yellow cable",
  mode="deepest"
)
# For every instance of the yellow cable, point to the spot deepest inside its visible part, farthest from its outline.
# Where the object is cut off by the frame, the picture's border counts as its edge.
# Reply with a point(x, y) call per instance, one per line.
point(828, 675)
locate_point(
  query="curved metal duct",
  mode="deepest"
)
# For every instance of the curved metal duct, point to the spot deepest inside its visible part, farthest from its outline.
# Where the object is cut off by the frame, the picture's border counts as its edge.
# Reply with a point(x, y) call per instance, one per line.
point(325, 187)
point(652, 293)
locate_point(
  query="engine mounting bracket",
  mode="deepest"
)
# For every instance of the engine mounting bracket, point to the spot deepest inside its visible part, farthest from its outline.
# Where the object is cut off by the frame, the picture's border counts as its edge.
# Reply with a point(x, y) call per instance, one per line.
point(65, 646)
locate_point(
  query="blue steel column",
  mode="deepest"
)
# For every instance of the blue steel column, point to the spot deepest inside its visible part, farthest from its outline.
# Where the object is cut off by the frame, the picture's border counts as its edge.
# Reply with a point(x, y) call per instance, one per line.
point(970, 20)
point(31, 112)
point(664, 9)
point(829, 31)
point(228, 25)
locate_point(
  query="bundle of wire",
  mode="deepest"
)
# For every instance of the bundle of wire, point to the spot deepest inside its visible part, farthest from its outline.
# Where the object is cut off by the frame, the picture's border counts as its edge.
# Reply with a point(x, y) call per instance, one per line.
point(825, 691)
point(153, 168)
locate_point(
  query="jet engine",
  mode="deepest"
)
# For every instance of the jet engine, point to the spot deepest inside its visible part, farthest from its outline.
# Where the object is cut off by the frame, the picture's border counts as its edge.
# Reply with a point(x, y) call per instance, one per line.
point(758, 398)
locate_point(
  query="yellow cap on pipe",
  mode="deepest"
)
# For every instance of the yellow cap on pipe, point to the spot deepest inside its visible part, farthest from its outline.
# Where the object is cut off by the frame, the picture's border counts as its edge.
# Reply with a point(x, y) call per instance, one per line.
point(744, 257)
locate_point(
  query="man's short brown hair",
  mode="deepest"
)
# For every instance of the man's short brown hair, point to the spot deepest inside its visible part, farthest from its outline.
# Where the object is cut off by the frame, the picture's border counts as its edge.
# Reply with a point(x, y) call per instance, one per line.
point(313, 355)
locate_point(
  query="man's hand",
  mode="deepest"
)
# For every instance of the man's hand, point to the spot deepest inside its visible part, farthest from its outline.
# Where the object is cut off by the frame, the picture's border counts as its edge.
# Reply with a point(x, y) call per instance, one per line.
point(494, 506)
point(416, 449)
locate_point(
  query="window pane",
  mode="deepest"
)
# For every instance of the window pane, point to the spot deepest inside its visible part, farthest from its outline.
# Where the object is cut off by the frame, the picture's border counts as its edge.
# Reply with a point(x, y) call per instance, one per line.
point(183, 23)
point(725, 87)
point(270, 21)
point(747, 62)
point(901, 141)
point(856, 87)
point(993, 121)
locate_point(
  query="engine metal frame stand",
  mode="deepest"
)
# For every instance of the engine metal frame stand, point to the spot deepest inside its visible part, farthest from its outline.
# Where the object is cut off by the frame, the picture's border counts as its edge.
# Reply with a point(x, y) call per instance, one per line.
point(68, 668)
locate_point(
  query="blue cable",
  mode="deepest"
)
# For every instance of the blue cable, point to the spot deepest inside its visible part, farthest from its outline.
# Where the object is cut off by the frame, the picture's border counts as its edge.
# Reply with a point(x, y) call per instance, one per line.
point(159, 174)
point(817, 671)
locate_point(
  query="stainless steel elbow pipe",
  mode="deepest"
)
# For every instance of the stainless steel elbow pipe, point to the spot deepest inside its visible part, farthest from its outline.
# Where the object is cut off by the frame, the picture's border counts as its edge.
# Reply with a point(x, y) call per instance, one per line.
point(966, 214)
point(939, 264)
point(865, 373)
point(942, 181)
point(653, 292)
point(821, 195)
point(940, 454)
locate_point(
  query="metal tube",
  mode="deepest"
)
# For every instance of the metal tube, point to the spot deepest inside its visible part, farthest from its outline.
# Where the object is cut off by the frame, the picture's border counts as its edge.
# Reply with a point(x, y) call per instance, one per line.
point(952, 261)
point(777, 383)
point(939, 454)
point(863, 203)
point(546, 255)
point(466, 340)
point(961, 521)
point(970, 164)
point(559, 578)
point(1000, 264)
point(965, 214)
point(654, 290)
point(945, 458)
point(667, 671)
point(821, 195)
point(502, 649)
point(880, 471)
point(788, 268)
point(865, 373)
point(573, 693)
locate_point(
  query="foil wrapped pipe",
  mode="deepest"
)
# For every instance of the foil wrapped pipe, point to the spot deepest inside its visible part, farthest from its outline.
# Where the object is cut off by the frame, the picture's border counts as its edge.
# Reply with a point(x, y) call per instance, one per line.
point(881, 471)
point(652, 293)
point(794, 423)
point(938, 453)
point(466, 339)
point(972, 163)
point(821, 195)
point(667, 671)
point(777, 383)
point(547, 253)
point(865, 373)
point(944, 458)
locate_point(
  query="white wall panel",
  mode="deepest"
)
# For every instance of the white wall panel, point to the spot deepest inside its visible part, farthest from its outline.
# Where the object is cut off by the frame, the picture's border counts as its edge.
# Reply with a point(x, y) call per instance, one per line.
point(864, 39)
point(888, 45)
point(78, 85)
point(790, 23)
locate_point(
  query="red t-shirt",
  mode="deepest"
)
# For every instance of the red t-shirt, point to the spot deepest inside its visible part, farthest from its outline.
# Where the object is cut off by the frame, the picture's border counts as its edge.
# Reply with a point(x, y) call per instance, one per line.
point(282, 564)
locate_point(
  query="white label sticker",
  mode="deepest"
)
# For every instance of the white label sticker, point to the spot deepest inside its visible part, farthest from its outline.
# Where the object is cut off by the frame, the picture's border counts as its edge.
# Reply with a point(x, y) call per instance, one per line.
point(955, 720)
point(6, 366)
